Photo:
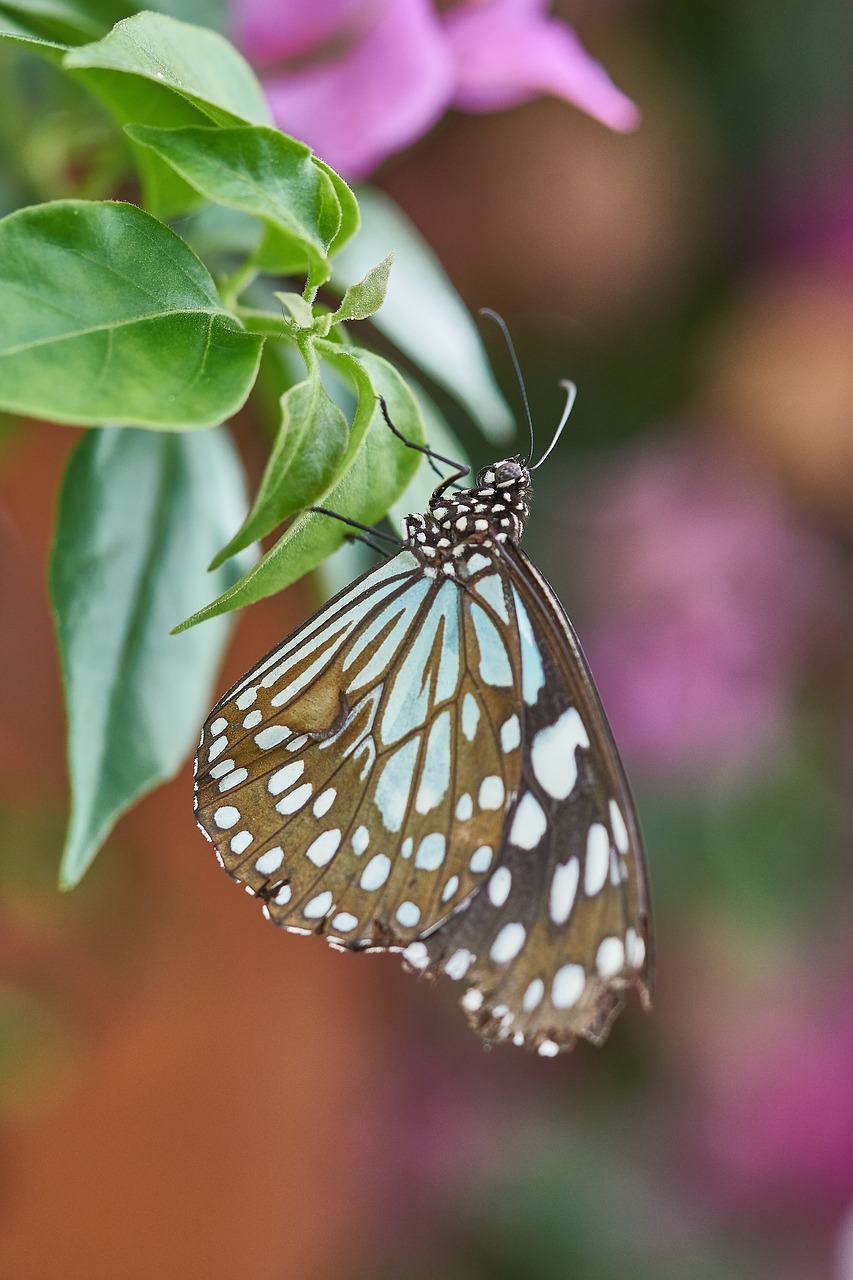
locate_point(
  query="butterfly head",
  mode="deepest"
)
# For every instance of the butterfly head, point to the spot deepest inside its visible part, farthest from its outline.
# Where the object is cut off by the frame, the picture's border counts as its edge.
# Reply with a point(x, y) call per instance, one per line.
point(494, 510)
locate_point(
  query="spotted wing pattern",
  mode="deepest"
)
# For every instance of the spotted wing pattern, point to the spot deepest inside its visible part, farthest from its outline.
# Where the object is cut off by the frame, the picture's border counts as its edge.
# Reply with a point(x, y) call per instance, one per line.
point(326, 781)
point(561, 932)
point(425, 766)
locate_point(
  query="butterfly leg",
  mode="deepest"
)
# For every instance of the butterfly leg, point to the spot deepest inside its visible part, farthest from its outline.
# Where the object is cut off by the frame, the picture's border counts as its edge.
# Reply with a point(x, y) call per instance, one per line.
point(459, 469)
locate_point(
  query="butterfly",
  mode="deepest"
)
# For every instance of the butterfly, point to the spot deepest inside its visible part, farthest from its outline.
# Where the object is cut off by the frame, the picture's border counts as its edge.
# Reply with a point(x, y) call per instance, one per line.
point(424, 766)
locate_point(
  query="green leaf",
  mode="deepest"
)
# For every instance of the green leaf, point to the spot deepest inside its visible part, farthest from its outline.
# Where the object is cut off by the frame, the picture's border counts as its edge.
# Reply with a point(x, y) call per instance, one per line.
point(153, 69)
point(305, 458)
point(363, 299)
point(350, 217)
point(24, 35)
point(106, 315)
point(423, 315)
point(193, 63)
point(139, 517)
point(375, 470)
point(300, 310)
point(52, 20)
point(262, 172)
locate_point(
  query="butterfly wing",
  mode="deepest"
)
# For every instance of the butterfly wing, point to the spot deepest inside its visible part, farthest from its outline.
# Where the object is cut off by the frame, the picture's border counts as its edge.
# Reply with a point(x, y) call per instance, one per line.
point(560, 932)
point(328, 779)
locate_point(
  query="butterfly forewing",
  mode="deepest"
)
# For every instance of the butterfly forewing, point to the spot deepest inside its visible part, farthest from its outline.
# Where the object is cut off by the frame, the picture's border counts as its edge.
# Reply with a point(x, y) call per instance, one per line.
point(425, 766)
point(333, 787)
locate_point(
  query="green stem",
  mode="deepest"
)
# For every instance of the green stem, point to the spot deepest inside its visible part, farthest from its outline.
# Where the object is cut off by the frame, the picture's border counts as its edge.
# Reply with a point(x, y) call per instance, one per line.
point(232, 286)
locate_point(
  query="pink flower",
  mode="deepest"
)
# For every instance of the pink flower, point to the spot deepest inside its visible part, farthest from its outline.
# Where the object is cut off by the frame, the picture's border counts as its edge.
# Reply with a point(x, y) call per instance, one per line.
point(361, 79)
point(778, 1096)
point(707, 598)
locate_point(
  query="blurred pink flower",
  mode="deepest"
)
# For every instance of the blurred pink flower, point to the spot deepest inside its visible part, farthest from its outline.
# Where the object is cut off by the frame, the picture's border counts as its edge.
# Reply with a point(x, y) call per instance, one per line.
point(708, 597)
point(361, 79)
point(778, 1115)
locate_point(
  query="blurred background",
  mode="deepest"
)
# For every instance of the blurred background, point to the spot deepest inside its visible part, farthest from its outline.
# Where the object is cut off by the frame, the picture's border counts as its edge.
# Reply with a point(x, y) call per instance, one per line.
point(186, 1092)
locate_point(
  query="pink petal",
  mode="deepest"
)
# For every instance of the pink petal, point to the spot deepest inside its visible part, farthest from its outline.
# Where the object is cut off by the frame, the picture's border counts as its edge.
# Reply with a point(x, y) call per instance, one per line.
point(270, 30)
point(375, 99)
point(506, 53)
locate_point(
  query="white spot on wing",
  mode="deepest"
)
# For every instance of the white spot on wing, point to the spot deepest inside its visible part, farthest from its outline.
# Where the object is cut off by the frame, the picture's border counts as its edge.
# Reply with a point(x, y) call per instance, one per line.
point(459, 964)
point(296, 800)
point(233, 779)
point(218, 726)
point(360, 840)
point(241, 842)
point(620, 831)
point(284, 778)
point(533, 995)
point(270, 861)
point(323, 849)
point(491, 792)
point(430, 854)
point(318, 906)
point(567, 987)
point(450, 888)
point(508, 943)
point(610, 957)
point(499, 886)
point(408, 914)
point(376, 872)
point(464, 807)
point(553, 754)
point(510, 734)
point(324, 802)
point(597, 859)
point(529, 823)
point(226, 817)
point(271, 736)
point(470, 716)
point(481, 859)
point(417, 955)
point(477, 561)
point(564, 886)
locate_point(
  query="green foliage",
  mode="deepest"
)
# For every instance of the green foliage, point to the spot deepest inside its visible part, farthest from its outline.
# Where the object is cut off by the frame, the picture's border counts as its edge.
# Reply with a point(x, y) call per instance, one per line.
point(139, 517)
point(375, 468)
point(262, 172)
point(111, 317)
point(97, 297)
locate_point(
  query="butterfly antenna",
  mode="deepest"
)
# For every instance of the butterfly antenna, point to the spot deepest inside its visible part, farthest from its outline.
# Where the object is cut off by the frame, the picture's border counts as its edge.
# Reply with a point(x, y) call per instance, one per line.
point(501, 323)
point(571, 397)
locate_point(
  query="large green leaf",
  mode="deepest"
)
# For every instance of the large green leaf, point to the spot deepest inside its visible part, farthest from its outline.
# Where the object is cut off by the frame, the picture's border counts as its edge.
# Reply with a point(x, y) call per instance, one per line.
point(262, 172)
point(106, 315)
point(192, 62)
point(423, 314)
point(140, 515)
point(375, 470)
point(155, 70)
point(304, 461)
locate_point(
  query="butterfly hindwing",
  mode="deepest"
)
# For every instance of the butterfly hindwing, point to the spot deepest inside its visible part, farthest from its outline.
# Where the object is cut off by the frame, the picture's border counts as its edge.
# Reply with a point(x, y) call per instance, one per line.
point(560, 932)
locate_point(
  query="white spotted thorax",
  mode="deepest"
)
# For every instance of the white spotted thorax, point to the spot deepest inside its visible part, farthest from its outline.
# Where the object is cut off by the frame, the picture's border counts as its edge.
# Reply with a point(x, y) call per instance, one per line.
point(424, 766)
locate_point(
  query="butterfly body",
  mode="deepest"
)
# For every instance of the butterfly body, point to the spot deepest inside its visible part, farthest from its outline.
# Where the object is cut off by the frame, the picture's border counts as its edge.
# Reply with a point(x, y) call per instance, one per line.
point(424, 766)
